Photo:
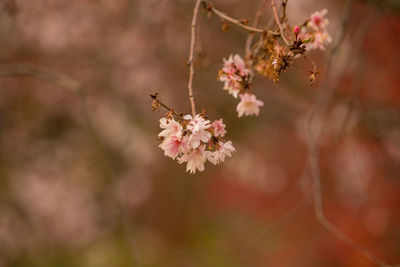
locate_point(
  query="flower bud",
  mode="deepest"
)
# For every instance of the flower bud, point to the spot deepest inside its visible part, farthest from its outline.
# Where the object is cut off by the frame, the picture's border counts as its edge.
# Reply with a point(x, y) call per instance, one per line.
point(296, 30)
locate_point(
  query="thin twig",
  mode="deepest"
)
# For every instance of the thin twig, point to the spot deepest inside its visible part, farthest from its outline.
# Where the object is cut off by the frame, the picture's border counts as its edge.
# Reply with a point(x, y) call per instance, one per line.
point(191, 56)
point(157, 103)
point(236, 21)
point(278, 22)
point(256, 22)
point(284, 4)
point(312, 62)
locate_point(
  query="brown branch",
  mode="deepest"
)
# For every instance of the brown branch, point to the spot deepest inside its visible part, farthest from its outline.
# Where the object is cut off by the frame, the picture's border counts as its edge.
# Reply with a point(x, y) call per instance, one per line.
point(284, 4)
point(157, 103)
point(278, 22)
point(191, 56)
point(235, 21)
point(256, 21)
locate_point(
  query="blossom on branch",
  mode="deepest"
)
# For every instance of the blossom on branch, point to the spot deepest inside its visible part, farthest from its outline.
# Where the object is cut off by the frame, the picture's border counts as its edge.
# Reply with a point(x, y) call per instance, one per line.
point(317, 20)
point(248, 105)
point(194, 140)
point(219, 128)
point(235, 75)
point(315, 31)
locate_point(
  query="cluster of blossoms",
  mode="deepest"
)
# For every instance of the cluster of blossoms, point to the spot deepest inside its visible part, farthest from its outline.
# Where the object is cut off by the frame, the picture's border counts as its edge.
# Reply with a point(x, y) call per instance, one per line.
point(194, 140)
point(275, 58)
point(236, 78)
point(315, 31)
point(235, 75)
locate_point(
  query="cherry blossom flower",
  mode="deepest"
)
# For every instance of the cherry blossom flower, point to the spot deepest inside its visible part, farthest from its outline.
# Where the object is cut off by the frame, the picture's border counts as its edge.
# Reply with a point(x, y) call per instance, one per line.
point(248, 105)
point(171, 127)
point(195, 159)
point(198, 123)
point(198, 126)
point(219, 128)
point(320, 39)
point(316, 31)
point(173, 145)
point(234, 74)
point(194, 140)
point(225, 149)
point(232, 83)
point(317, 20)
point(235, 65)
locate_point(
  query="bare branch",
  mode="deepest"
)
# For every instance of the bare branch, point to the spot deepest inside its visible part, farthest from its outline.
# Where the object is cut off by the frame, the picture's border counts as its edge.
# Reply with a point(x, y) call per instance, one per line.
point(236, 21)
point(191, 55)
point(157, 103)
point(284, 4)
point(278, 22)
point(256, 21)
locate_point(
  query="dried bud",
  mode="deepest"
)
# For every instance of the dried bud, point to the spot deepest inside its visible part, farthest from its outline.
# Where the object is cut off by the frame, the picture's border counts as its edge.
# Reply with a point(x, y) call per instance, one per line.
point(244, 21)
point(155, 104)
point(312, 75)
point(225, 25)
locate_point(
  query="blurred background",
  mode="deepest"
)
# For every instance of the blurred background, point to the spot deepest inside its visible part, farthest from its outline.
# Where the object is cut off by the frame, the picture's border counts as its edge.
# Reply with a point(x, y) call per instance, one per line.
point(83, 182)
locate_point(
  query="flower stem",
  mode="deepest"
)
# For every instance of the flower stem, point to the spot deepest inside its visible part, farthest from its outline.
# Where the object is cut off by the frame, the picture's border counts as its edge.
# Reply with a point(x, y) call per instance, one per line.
point(278, 21)
point(191, 56)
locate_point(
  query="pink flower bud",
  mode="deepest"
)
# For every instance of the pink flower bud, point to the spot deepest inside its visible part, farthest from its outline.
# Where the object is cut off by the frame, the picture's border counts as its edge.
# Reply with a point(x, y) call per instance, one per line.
point(296, 30)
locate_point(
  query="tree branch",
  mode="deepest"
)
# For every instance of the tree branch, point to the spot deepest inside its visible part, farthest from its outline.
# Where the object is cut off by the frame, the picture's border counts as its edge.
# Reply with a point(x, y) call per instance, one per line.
point(235, 21)
point(256, 21)
point(191, 56)
point(278, 22)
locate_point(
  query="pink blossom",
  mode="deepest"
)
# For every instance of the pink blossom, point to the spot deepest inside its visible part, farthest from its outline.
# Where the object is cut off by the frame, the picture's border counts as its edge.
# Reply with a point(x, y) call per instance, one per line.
point(211, 157)
point(248, 105)
point(173, 145)
point(317, 20)
point(320, 39)
point(232, 83)
point(225, 149)
point(198, 126)
point(195, 159)
point(171, 127)
point(235, 65)
point(234, 73)
point(218, 156)
point(219, 128)
point(195, 139)
point(188, 141)
point(198, 123)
